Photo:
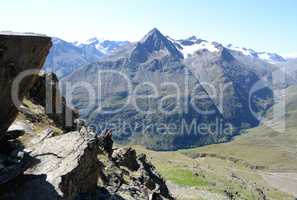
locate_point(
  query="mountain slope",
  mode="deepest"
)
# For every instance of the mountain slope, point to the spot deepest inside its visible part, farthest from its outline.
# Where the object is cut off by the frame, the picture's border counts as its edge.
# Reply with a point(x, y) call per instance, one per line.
point(65, 57)
point(154, 69)
point(230, 82)
point(103, 46)
point(265, 56)
point(271, 145)
point(233, 86)
point(228, 78)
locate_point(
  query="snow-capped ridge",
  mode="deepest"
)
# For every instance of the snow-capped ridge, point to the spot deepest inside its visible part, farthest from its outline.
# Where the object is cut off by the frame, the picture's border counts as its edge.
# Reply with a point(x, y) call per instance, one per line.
point(266, 56)
point(102, 45)
point(193, 44)
point(243, 50)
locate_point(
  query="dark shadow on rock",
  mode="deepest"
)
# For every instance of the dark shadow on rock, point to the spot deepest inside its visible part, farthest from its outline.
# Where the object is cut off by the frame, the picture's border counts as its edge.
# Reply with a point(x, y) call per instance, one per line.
point(28, 187)
point(9, 142)
point(103, 194)
point(14, 160)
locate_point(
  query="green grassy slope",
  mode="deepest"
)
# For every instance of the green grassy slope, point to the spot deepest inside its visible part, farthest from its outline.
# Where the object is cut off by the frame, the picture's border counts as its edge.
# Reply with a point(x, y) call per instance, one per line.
point(210, 177)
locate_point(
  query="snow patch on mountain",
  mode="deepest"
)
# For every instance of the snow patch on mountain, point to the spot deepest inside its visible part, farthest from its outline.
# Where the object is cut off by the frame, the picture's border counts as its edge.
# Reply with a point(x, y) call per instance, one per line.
point(266, 56)
point(271, 57)
point(191, 45)
point(191, 49)
point(243, 50)
point(102, 45)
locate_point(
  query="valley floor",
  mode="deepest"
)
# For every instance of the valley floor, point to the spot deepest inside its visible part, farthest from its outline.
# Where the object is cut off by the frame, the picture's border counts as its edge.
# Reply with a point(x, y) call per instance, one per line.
point(260, 164)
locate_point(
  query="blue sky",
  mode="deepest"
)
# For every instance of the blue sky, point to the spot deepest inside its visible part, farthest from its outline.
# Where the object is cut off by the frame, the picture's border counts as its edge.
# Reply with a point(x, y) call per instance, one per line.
point(259, 24)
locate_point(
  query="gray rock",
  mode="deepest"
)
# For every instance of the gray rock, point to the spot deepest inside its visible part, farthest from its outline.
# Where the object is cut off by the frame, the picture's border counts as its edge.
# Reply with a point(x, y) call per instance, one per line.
point(65, 166)
point(126, 157)
point(152, 179)
point(20, 126)
point(17, 54)
point(45, 92)
point(105, 142)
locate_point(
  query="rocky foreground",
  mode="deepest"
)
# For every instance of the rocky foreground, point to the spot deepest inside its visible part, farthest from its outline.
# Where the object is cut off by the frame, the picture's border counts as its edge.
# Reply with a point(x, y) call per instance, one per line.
point(41, 159)
point(81, 165)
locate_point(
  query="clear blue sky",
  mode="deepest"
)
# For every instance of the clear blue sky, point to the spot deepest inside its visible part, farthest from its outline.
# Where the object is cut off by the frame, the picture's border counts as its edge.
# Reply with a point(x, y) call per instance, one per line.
point(269, 25)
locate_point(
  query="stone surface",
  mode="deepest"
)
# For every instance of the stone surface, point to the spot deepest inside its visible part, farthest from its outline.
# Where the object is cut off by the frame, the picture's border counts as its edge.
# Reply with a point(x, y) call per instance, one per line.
point(152, 179)
point(63, 167)
point(20, 126)
point(126, 157)
point(106, 142)
point(128, 176)
point(46, 93)
point(17, 54)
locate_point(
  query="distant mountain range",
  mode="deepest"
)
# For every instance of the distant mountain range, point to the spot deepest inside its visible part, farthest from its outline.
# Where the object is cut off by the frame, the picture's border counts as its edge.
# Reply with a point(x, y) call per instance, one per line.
point(223, 76)
point(103, 46)
point(66, 57)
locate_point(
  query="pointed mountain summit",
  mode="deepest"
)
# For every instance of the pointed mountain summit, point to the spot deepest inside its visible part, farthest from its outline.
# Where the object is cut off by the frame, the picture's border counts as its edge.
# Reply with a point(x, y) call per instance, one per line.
point(152, 34)
point(154, 42)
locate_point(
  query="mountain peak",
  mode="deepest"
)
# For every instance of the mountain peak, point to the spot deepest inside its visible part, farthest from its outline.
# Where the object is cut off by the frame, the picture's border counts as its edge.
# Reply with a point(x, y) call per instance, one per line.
point(154, 41)
point(155, 30)
point(154, 33)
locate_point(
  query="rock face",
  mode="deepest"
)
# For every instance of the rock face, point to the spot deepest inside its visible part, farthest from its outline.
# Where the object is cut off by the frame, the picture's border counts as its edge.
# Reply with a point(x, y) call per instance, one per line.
point(17, 54)
point(126, 157)
point(79, 165)
point(126, 175)
point(64, 167)
point(45, 92)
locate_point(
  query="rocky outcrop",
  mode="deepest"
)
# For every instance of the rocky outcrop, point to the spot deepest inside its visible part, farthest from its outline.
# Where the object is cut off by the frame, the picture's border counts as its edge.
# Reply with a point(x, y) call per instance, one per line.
point(126, 175)
point(17, 54)
point(77, 165)
point(46, 93)
point(62, 167)
point(126, 157)
point(152, 179)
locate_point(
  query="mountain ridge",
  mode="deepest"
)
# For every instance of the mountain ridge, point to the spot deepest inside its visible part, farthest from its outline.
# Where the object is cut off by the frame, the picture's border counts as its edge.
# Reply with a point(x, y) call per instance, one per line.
point(157, 59)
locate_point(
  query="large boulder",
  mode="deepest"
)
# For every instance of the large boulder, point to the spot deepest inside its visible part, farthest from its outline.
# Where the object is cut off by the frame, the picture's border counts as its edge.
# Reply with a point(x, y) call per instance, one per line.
point(64, 167)
point(18, 53)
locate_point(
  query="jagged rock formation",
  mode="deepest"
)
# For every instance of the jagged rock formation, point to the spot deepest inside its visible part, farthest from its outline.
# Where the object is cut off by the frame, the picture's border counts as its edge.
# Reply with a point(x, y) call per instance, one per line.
point(69, 167)
point(17, 54)
point(126, 175)
point(45, 92)
point(126, 157)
